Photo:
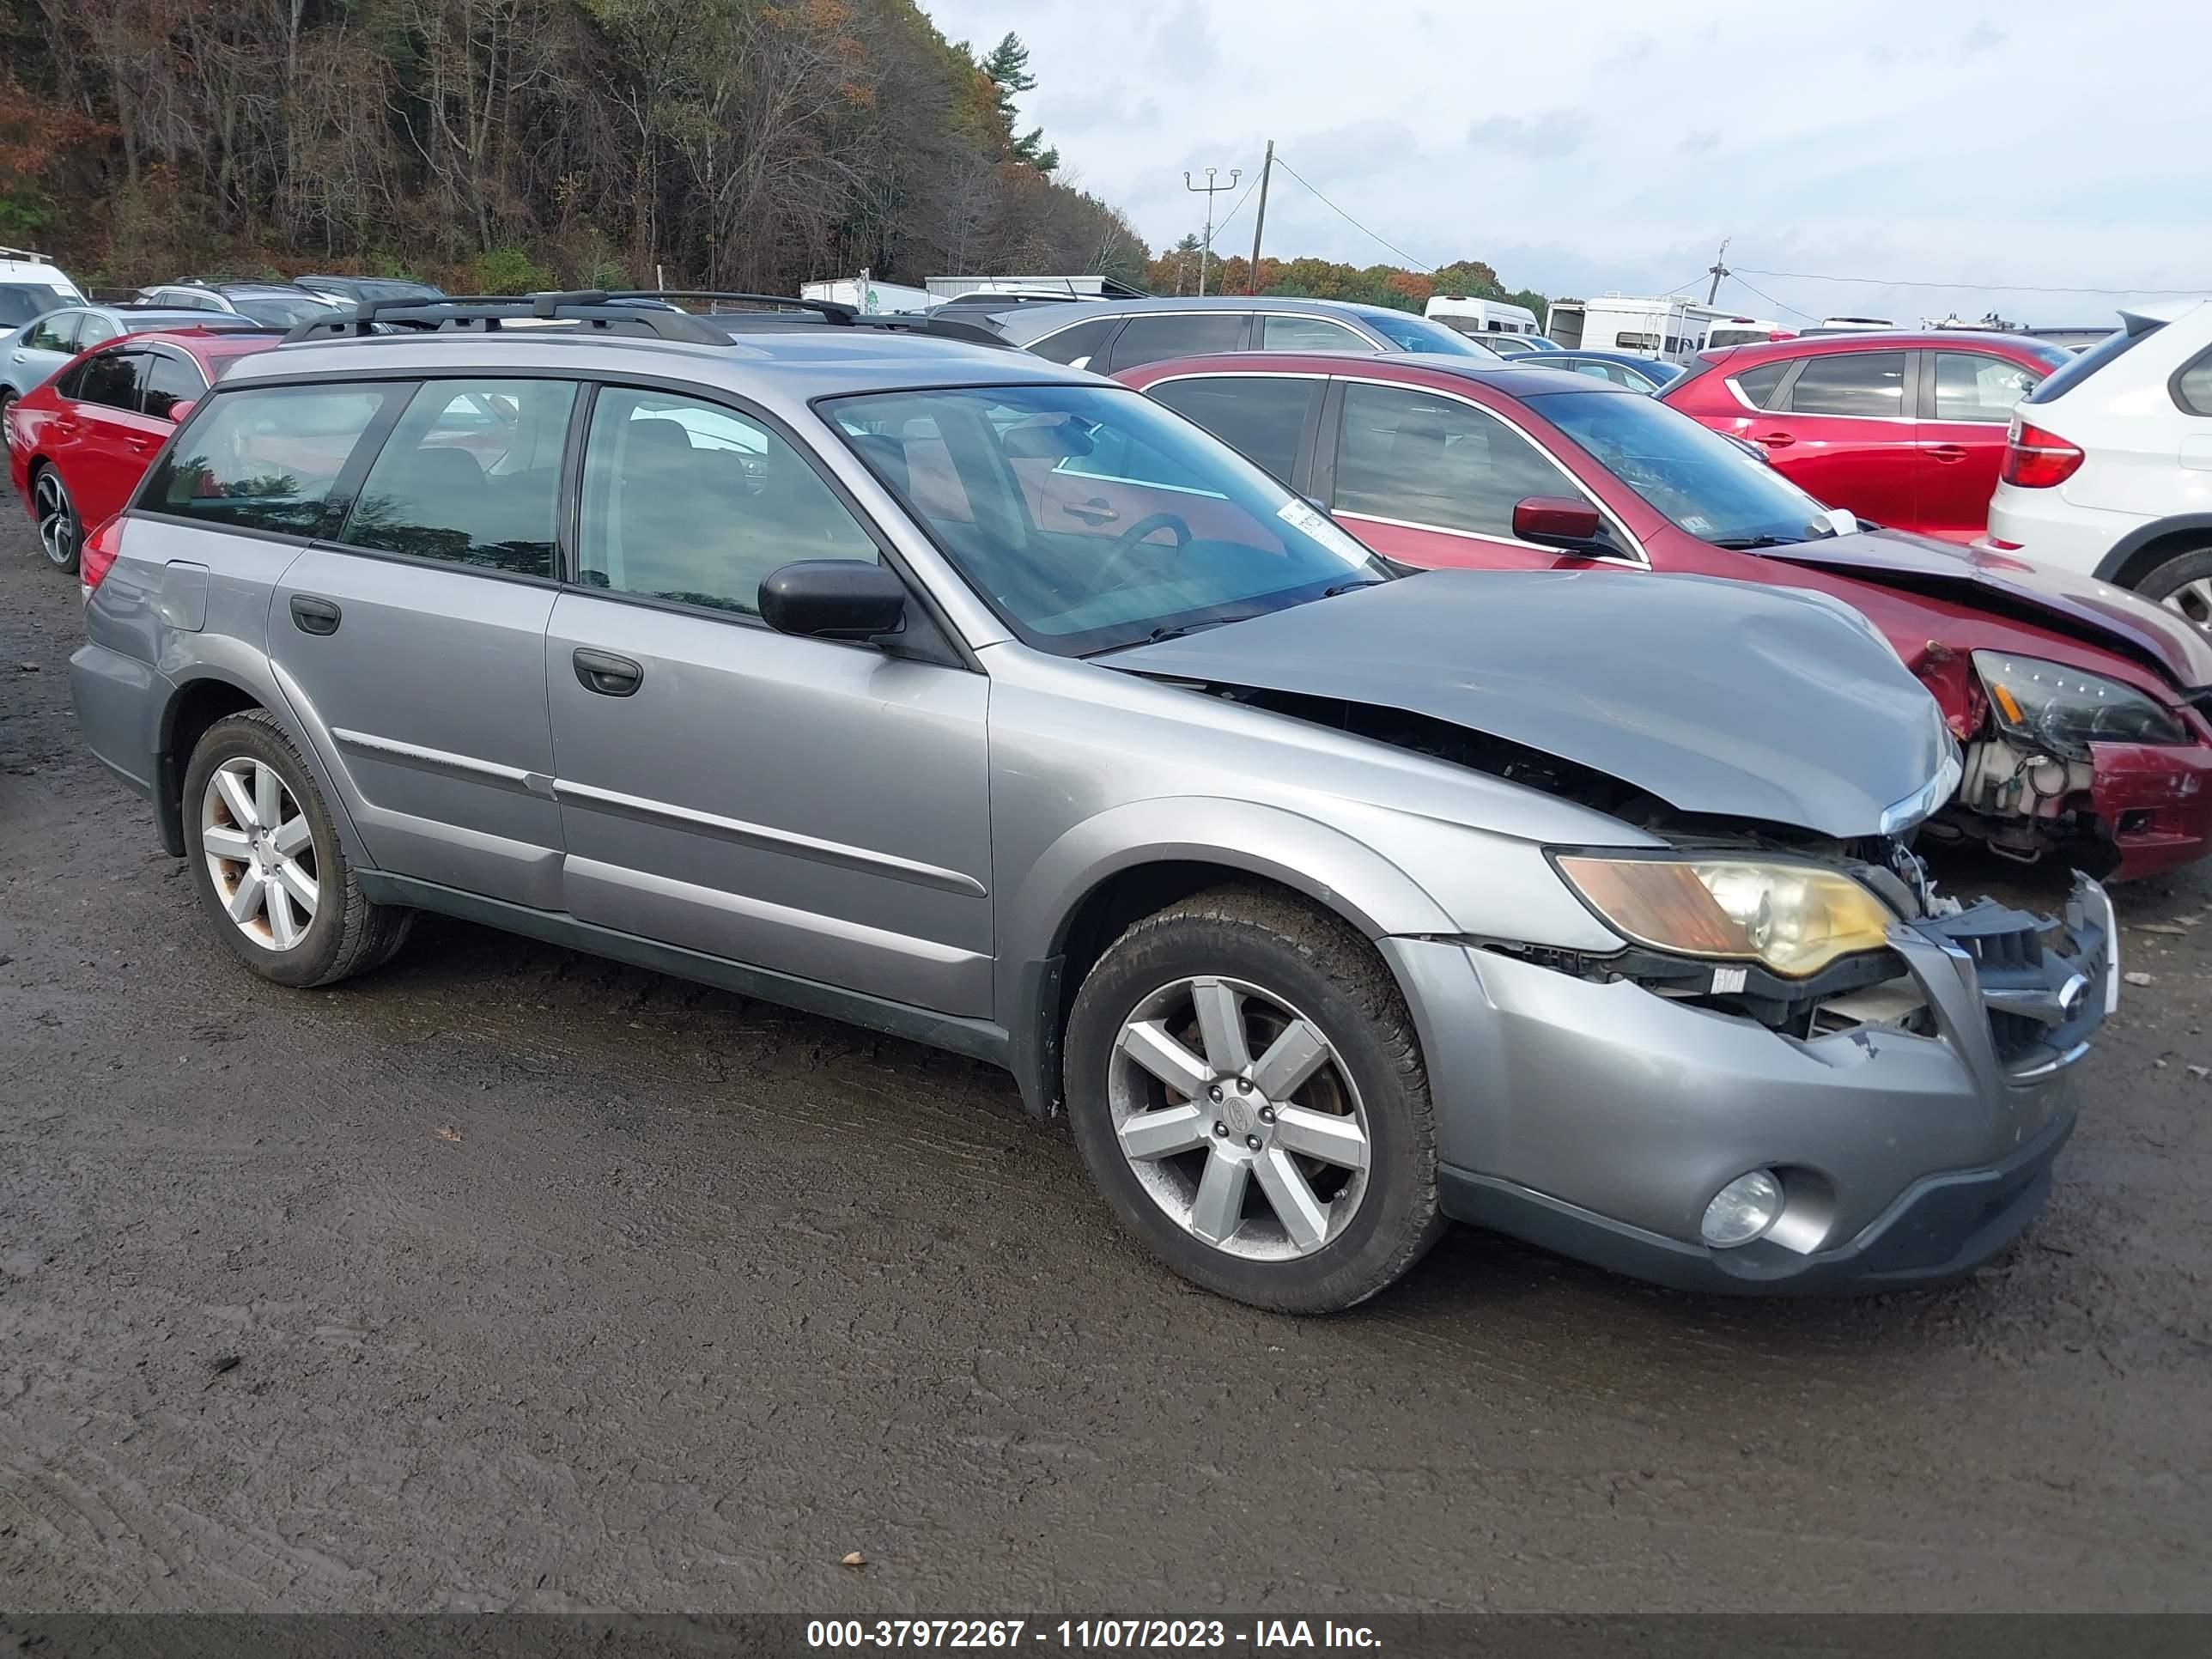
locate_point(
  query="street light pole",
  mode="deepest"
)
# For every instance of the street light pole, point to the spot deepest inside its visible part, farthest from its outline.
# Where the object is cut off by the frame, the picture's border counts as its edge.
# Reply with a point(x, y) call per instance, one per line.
point(1209, 190)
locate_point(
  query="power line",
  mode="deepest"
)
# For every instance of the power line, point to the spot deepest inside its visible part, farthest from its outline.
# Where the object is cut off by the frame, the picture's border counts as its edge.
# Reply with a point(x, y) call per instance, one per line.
point(1977, 288)
point(1737, 273)
point(1238, 209)
point(1410, 260)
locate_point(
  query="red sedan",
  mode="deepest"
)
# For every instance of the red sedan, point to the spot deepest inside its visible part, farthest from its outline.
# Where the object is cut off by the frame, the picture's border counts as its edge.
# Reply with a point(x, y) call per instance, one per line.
point(1907, 430)
point(78, 445)
point(2080, 708)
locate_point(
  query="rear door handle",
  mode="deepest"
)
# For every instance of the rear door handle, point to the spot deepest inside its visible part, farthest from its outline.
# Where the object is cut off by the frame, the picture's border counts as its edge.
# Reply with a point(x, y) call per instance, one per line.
point(1094, 511)
point(1776, 440)
point(607, 674)
point(1945, 452)
point(313, 616)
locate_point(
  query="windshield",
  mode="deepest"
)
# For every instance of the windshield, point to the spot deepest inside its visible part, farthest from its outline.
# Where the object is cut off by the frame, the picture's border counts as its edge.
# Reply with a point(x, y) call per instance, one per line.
point(1412, 333)
point(20, 301)
point(1697, 479)
point(280, 308)
point(1090, 517)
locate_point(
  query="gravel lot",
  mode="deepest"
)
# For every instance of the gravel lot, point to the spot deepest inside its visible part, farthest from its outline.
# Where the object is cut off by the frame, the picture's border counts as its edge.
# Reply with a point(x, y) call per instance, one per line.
point(512, 1278)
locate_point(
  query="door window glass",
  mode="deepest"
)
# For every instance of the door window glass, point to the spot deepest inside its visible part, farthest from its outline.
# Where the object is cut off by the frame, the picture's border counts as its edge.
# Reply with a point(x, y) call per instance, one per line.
point(1972, 387)
point(1263, 415)
point(1080, 343)
point(1309, 334)
point(110, 379)
point(1423, 459)
point(688, 501)
point(1148, 340)
point(94, 330)
point(168, 381)
point(1851, 383)
point(1757, 384)
point(54, 333)
point(266, 458)
point(472, 475)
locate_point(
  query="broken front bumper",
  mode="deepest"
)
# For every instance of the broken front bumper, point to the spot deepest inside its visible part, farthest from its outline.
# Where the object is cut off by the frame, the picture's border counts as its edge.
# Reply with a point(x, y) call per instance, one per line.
point(1913, 1139)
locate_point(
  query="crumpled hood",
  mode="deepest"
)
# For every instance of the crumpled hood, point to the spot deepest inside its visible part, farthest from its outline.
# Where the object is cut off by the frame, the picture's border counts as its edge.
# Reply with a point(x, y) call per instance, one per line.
point(2063, 600)
point(1716, 696)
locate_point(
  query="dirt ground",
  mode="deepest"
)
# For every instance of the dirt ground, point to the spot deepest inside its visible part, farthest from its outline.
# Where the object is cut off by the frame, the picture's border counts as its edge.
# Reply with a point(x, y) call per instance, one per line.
point(512, 1278)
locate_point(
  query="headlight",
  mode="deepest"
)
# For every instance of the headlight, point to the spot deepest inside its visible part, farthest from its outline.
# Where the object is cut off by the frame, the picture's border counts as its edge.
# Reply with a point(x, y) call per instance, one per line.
point(1791, 918)
point(2061, 711)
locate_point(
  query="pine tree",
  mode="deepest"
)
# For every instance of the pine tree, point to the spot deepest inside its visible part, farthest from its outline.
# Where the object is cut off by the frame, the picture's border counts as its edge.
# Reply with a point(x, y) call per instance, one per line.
point(1008, 67)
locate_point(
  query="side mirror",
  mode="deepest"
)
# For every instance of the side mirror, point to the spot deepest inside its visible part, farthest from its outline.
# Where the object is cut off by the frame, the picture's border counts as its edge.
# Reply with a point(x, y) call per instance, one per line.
point(1566, 521)
point(833, 599)
point(180, 409)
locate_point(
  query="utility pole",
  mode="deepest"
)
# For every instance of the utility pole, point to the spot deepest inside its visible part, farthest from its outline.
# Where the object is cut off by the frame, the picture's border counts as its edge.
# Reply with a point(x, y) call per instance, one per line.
point(1719, 269)
point(1209, 190)
point(1260, 223)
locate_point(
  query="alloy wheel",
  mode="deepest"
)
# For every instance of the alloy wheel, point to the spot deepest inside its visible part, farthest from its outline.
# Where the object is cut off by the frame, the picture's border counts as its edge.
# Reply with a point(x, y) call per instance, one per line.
point(260, 852)
point(1239, 1118)
point(49, 502)
point(2192, 600)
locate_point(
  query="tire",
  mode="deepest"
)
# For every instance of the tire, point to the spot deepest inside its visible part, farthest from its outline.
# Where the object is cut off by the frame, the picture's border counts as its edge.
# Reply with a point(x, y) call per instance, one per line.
point(2183, 583)
point(61, 531)
point(1266, 963)
point(280, 936)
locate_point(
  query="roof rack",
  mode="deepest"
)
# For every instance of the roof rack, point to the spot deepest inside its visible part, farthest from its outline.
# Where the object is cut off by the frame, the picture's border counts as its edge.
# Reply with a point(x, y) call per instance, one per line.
point(25, 253)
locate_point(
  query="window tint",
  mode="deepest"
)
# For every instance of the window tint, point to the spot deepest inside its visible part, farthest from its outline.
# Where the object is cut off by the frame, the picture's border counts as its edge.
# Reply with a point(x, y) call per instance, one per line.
point(21, 301)
point(1637, 341)
point(1851, 383)
point(1148, 340)
point(2193, 387)
point(1432, 461)
point(688, 501)
point(1972, 387)
point(94, 330)
point(1081, 341)
point(1309, 334)
point(54, 333)
point(471, 474)
point(168, 382)
point(109, 379)
point(1757, 384)
point(265, 459)
point(1262, 416)
point(189, 299)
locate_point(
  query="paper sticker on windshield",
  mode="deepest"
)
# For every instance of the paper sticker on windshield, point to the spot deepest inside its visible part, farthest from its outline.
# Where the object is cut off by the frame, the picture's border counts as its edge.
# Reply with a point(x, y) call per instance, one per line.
point(1843, 523)
point(1697, 523)
point(1302, 515)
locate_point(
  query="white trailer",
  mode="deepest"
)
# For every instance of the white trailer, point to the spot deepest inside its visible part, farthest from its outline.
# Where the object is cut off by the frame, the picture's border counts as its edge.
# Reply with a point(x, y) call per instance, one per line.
point(1471, 315)
point(1667, 327)
point(864, 293)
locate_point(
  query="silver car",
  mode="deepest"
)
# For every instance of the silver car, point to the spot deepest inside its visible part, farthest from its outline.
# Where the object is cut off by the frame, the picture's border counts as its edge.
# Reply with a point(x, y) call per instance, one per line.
point(1113, 335)
point(951, 692)
point(30, 355)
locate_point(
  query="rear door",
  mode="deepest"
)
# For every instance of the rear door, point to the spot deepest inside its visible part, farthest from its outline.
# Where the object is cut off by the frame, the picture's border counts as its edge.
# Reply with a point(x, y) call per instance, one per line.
point(1841, 426)
point(1270, 418)
point(112, 440)
point(1432, 480)
point(812, 807)
point(413, 642)
point(1965, 406)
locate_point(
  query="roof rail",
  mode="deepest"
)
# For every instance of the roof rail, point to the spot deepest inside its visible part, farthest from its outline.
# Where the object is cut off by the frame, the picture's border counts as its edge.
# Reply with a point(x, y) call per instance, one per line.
point(35, 257)
point(591, 306)
point(829, 310)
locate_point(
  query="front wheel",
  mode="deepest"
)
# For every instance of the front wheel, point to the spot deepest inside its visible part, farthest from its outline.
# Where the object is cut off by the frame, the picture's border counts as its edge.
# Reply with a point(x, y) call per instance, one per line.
point(2183, 583)
point(265, 858)
point(1246, 1086)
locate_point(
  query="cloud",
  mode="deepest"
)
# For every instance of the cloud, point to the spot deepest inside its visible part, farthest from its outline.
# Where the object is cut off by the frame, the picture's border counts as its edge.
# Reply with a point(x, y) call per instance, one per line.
point(1984, 36)
point(1557, 133)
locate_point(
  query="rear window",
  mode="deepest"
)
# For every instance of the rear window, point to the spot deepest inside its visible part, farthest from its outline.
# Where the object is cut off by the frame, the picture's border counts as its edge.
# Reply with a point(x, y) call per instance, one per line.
point(20, 301)
point(265, 460)
point(2071, 375)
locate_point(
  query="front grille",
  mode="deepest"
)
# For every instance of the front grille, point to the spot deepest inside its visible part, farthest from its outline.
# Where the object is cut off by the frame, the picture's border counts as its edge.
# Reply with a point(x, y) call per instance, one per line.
point(2018, 956)
point(1999, 940)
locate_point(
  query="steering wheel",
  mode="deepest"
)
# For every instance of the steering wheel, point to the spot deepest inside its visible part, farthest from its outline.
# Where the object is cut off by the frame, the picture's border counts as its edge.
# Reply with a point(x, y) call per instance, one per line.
point(1126, 544)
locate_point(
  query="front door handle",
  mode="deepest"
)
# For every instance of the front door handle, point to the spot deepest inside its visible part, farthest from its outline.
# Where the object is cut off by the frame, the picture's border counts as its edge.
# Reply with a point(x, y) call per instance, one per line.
point(1776, 440)
point(607, 674)
point(313, 616)
point(1945, 452)
point(1096, 510)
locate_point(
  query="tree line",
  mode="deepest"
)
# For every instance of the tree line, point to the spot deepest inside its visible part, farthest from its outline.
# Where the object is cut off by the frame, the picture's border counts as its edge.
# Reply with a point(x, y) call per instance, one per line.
point(503, 145)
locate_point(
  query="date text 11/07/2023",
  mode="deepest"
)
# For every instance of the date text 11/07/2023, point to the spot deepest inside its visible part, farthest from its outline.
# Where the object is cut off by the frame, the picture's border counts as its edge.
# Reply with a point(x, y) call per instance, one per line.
point(1087, 1633)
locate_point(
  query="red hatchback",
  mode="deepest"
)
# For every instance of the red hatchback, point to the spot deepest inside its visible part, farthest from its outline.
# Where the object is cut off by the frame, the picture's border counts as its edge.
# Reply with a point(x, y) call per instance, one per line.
point(78, 445)
point(2080, 710)
point(1907, 430)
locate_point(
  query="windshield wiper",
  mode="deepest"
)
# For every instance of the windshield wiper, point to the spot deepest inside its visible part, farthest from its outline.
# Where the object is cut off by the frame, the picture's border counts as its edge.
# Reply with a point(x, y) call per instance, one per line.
point(1182, 628)
point(1352, 587)
point(1751, 544)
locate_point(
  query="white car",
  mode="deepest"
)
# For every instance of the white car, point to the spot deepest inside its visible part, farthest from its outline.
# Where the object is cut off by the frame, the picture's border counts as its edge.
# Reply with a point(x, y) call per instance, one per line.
point(31, 286)
point(2108, 465)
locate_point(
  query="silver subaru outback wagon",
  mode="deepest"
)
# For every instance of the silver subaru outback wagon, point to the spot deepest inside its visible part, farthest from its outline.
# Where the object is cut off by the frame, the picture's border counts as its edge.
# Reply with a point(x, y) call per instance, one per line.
point(960, 694)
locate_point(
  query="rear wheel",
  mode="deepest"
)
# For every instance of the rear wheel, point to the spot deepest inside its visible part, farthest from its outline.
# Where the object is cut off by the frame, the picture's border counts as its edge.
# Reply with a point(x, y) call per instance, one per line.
point(59, 532)
point(2183, 583)
point(266, 861)
point(1247, 1088)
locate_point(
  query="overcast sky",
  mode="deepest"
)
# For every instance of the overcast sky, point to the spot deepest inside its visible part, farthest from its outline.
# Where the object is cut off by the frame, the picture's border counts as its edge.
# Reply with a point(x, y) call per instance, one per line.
point(1601, 145)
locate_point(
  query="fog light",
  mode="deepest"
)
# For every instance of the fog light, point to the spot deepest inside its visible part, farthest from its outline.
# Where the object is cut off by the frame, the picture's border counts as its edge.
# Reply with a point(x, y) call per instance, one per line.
point(1742, 1209)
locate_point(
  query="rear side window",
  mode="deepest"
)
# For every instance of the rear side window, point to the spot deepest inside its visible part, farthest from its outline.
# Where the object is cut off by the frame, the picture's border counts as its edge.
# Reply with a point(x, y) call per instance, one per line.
point(1851, 383)
point(1309, 334)
point(1263, 415)
point(1757, 384)
point(1972, 387)
point(471, 475)
point(2193, 387)
point(1077, 344)
point(1186, 334)
point(692, 502)
point(264, 459)
point(1428, 461)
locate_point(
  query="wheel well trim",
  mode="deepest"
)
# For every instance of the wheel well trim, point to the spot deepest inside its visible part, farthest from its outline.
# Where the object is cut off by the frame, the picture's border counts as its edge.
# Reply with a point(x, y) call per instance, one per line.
point(2114, 563)
point(169, 767)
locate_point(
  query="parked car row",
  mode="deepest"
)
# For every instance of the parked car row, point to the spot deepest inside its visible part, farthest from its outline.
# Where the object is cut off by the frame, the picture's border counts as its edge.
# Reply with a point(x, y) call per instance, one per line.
point(957, 692)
